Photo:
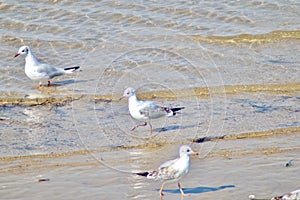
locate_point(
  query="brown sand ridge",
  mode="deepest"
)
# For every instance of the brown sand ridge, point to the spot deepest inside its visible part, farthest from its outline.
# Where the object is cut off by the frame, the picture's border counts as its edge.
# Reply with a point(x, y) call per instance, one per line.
point(204, 92)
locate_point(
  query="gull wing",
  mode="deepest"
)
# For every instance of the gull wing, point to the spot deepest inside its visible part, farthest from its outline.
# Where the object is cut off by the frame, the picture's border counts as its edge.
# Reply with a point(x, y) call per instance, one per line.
point(166, 171)
point(49, 71)
point(150, 109)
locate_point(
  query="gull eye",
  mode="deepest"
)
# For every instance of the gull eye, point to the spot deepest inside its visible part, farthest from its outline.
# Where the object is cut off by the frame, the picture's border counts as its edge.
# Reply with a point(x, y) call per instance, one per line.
point(188, 150)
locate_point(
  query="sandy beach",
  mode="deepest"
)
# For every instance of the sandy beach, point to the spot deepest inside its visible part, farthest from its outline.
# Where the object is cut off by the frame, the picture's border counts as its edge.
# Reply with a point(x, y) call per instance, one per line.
point(233, 66)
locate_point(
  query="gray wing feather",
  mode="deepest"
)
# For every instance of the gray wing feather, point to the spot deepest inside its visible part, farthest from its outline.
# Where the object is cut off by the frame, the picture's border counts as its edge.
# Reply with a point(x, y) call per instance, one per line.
point(164, 172)
point(49, 71)
point(151, 109)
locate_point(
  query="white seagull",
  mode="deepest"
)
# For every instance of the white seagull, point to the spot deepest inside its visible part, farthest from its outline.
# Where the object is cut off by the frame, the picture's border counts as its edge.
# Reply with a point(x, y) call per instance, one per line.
point(37, 70)
point(295, 195)
point(146, 110)
point(172, 170)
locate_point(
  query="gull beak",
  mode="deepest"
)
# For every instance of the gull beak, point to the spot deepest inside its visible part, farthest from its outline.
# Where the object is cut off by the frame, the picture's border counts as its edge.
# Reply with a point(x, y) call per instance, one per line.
point(16, 55)
point(122, 97)
point(194, 153)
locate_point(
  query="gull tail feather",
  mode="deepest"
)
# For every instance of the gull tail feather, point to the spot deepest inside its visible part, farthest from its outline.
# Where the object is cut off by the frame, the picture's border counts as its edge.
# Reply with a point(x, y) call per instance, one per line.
point(142, 174)
point(172, 111)
point(149, 175)
point(176, 109)
point(71, 69)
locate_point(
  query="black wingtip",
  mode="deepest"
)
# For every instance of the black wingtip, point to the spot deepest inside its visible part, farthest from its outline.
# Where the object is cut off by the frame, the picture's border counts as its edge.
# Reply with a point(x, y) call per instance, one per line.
point(142, 174)
point(74, 68)
point(177, 109)
point(174, 110)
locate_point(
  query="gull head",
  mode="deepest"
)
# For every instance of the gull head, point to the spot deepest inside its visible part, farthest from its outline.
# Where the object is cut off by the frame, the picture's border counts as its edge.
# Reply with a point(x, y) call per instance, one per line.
point(23, 50)
point(128, 93)
point(186, 150)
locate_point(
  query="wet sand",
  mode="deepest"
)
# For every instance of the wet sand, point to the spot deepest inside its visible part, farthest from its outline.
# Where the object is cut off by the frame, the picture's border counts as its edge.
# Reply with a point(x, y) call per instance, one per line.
point(232, 164)
point(231, 172)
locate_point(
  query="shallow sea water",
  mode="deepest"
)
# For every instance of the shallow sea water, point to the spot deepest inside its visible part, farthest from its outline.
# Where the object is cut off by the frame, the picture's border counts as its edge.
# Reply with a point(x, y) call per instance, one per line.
point(234, 66)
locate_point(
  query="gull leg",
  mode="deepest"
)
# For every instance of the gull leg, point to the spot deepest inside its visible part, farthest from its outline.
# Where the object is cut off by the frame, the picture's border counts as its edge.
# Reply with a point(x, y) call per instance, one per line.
point(144, 124)
point(49, 84)
point(150, 128)
point(180, 188)
point(161, 189)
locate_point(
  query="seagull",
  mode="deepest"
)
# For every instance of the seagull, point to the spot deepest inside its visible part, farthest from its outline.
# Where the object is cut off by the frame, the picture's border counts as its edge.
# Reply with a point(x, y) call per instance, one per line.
point(37, 70)
point(295, 195)
point(172, 170)
point(146, 110)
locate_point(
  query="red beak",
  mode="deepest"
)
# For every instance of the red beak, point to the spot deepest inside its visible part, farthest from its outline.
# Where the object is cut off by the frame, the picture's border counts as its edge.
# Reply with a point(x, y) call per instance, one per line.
point(121, 98)
point(16, 55)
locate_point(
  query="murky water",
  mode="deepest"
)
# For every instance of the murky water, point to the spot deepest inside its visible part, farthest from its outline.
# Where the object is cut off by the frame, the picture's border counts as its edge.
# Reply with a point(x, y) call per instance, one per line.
point(234, 66)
